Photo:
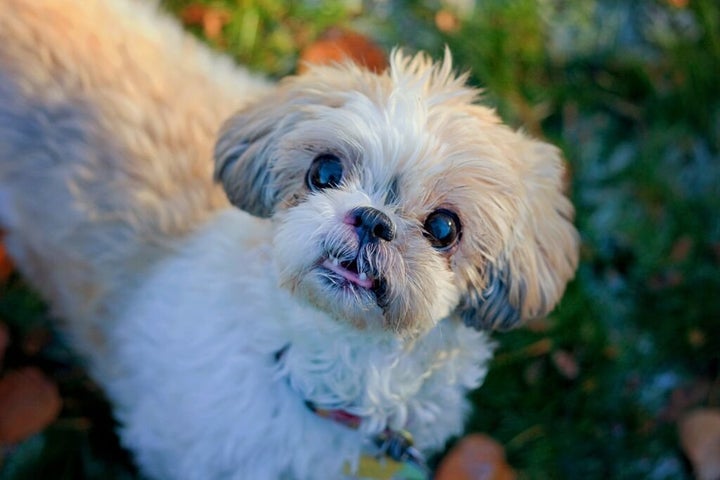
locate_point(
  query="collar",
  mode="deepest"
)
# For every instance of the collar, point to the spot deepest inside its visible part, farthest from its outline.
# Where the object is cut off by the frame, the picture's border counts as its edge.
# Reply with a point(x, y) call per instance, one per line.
point(392, 455)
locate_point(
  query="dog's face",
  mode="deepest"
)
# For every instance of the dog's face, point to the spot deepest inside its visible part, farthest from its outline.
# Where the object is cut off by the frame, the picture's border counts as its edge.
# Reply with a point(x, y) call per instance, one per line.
point(398, 202)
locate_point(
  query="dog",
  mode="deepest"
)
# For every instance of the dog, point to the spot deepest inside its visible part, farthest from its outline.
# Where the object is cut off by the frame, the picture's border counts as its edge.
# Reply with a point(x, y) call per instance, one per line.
point(269, 280)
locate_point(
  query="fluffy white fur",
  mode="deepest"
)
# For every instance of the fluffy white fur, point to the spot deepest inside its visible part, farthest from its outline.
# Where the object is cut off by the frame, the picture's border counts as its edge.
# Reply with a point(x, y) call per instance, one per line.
point(210, 327)
point(209, 399)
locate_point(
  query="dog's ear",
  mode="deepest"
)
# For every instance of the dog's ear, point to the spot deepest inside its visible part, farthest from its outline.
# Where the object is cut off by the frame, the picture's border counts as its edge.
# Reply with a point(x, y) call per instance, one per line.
point(245, 153)
point(541, 255)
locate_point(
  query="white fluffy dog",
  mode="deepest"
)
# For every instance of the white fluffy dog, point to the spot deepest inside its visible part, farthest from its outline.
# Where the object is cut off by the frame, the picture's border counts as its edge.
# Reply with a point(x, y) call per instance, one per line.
point(384, 222)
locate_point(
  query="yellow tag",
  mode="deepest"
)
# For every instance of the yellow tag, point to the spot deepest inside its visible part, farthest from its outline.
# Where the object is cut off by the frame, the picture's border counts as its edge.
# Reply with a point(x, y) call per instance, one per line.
point(377, 469)
point(385, 468)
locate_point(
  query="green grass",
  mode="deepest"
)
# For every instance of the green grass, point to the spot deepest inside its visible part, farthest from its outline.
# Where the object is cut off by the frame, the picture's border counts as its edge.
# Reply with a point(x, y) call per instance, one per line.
point(631, 93)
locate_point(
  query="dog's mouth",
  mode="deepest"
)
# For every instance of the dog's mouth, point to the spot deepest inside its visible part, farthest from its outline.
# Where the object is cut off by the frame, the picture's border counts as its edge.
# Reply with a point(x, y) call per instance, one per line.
point(347, 274)
point(348, 270)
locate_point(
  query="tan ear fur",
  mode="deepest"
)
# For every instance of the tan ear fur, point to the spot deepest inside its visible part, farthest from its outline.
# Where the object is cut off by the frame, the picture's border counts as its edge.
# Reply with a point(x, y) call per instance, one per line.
point(247, 142)
point(541, 255)
point(244, 152)
point(545, 250)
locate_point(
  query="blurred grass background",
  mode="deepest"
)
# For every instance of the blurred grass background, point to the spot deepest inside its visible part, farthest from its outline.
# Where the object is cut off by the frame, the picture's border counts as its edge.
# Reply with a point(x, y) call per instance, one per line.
point(630, 90)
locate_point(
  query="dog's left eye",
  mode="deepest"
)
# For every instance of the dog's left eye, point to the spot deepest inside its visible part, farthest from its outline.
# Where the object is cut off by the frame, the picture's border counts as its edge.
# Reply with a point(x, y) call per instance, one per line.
point(442, 228)
point(326, 171)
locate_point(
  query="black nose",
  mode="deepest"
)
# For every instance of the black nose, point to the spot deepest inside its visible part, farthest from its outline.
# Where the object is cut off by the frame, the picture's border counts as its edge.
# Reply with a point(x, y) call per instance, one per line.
point(372, 224)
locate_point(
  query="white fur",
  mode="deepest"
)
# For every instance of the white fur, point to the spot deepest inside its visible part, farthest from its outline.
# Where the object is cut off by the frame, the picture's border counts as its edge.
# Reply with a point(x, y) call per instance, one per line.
point(192, 373)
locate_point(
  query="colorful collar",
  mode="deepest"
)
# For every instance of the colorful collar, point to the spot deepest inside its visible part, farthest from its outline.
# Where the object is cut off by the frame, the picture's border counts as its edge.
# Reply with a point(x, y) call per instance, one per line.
point(393, 456)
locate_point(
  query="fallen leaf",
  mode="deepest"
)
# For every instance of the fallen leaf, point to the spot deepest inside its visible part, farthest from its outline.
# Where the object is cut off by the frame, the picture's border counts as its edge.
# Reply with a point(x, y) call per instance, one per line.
point(700, 439)
point(337, 45)
point(667, 279)
point(193, 14)
point(446, 21)
point(566, 364)
point(211, 19)
point(29, 402)
point(681, 249)
point(475, 457)
point(4, 341)
point(35, 340)
point(696, 337)
point(539, 348)
point(611, 352)
point(538, 325)
point(6, 266)
point(533, 373)
point(685, 398)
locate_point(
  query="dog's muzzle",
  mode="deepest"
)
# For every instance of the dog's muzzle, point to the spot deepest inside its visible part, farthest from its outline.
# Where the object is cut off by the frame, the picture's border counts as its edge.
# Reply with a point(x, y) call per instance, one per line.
point(372, 228)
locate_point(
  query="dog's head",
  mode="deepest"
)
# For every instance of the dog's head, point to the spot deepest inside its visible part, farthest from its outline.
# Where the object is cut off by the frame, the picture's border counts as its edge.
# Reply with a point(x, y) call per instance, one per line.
point(398, 201)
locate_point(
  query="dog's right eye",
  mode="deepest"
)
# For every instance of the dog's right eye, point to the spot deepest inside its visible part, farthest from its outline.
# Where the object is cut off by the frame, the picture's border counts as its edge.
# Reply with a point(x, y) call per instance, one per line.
point(325, 172)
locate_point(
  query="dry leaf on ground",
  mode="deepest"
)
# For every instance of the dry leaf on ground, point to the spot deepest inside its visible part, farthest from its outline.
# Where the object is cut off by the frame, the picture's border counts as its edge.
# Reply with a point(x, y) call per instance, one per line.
point(35, 340)
point(6, 266)
point(29, 402)
point(685, 398)
point(211, 19)
point(4, 341)
point(700, 439)
point(337, 45)
point(566, 364)
point(475, 457)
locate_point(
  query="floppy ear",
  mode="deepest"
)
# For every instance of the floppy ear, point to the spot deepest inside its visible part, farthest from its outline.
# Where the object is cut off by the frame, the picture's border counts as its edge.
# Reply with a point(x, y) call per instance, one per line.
point(540, 256)
point(245, 152)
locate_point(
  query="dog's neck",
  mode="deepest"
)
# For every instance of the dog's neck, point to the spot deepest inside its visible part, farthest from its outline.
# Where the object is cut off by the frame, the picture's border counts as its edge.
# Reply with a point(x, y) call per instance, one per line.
point(391, 453)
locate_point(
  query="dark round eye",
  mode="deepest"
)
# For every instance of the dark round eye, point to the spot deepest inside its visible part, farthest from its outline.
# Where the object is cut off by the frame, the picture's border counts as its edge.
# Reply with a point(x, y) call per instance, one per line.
point(442, 228)
point(325, 172)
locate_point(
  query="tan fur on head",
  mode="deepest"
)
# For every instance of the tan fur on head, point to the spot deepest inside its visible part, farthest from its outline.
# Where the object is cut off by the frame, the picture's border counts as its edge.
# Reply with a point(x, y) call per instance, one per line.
point(416, 131)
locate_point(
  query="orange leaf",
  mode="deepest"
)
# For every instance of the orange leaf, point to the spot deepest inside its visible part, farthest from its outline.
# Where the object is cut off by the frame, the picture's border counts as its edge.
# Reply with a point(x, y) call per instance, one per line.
point(681, 249)
point(4, 340)
point(446, 21)
point(6, 266)
point(214, 22)
point(193, 14)
point(29, 402)
point(700, 439)
point(337, 45)
point(566, 364)
point(211, 19)
point(475, 457)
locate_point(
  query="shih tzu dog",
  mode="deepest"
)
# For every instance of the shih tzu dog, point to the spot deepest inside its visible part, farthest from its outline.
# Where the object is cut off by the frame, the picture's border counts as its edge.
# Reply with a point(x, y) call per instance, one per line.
point(331, 316)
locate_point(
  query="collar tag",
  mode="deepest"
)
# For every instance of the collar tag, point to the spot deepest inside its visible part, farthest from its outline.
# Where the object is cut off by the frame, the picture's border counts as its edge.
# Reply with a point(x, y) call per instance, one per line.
point(385, 468)
point(393, 456)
